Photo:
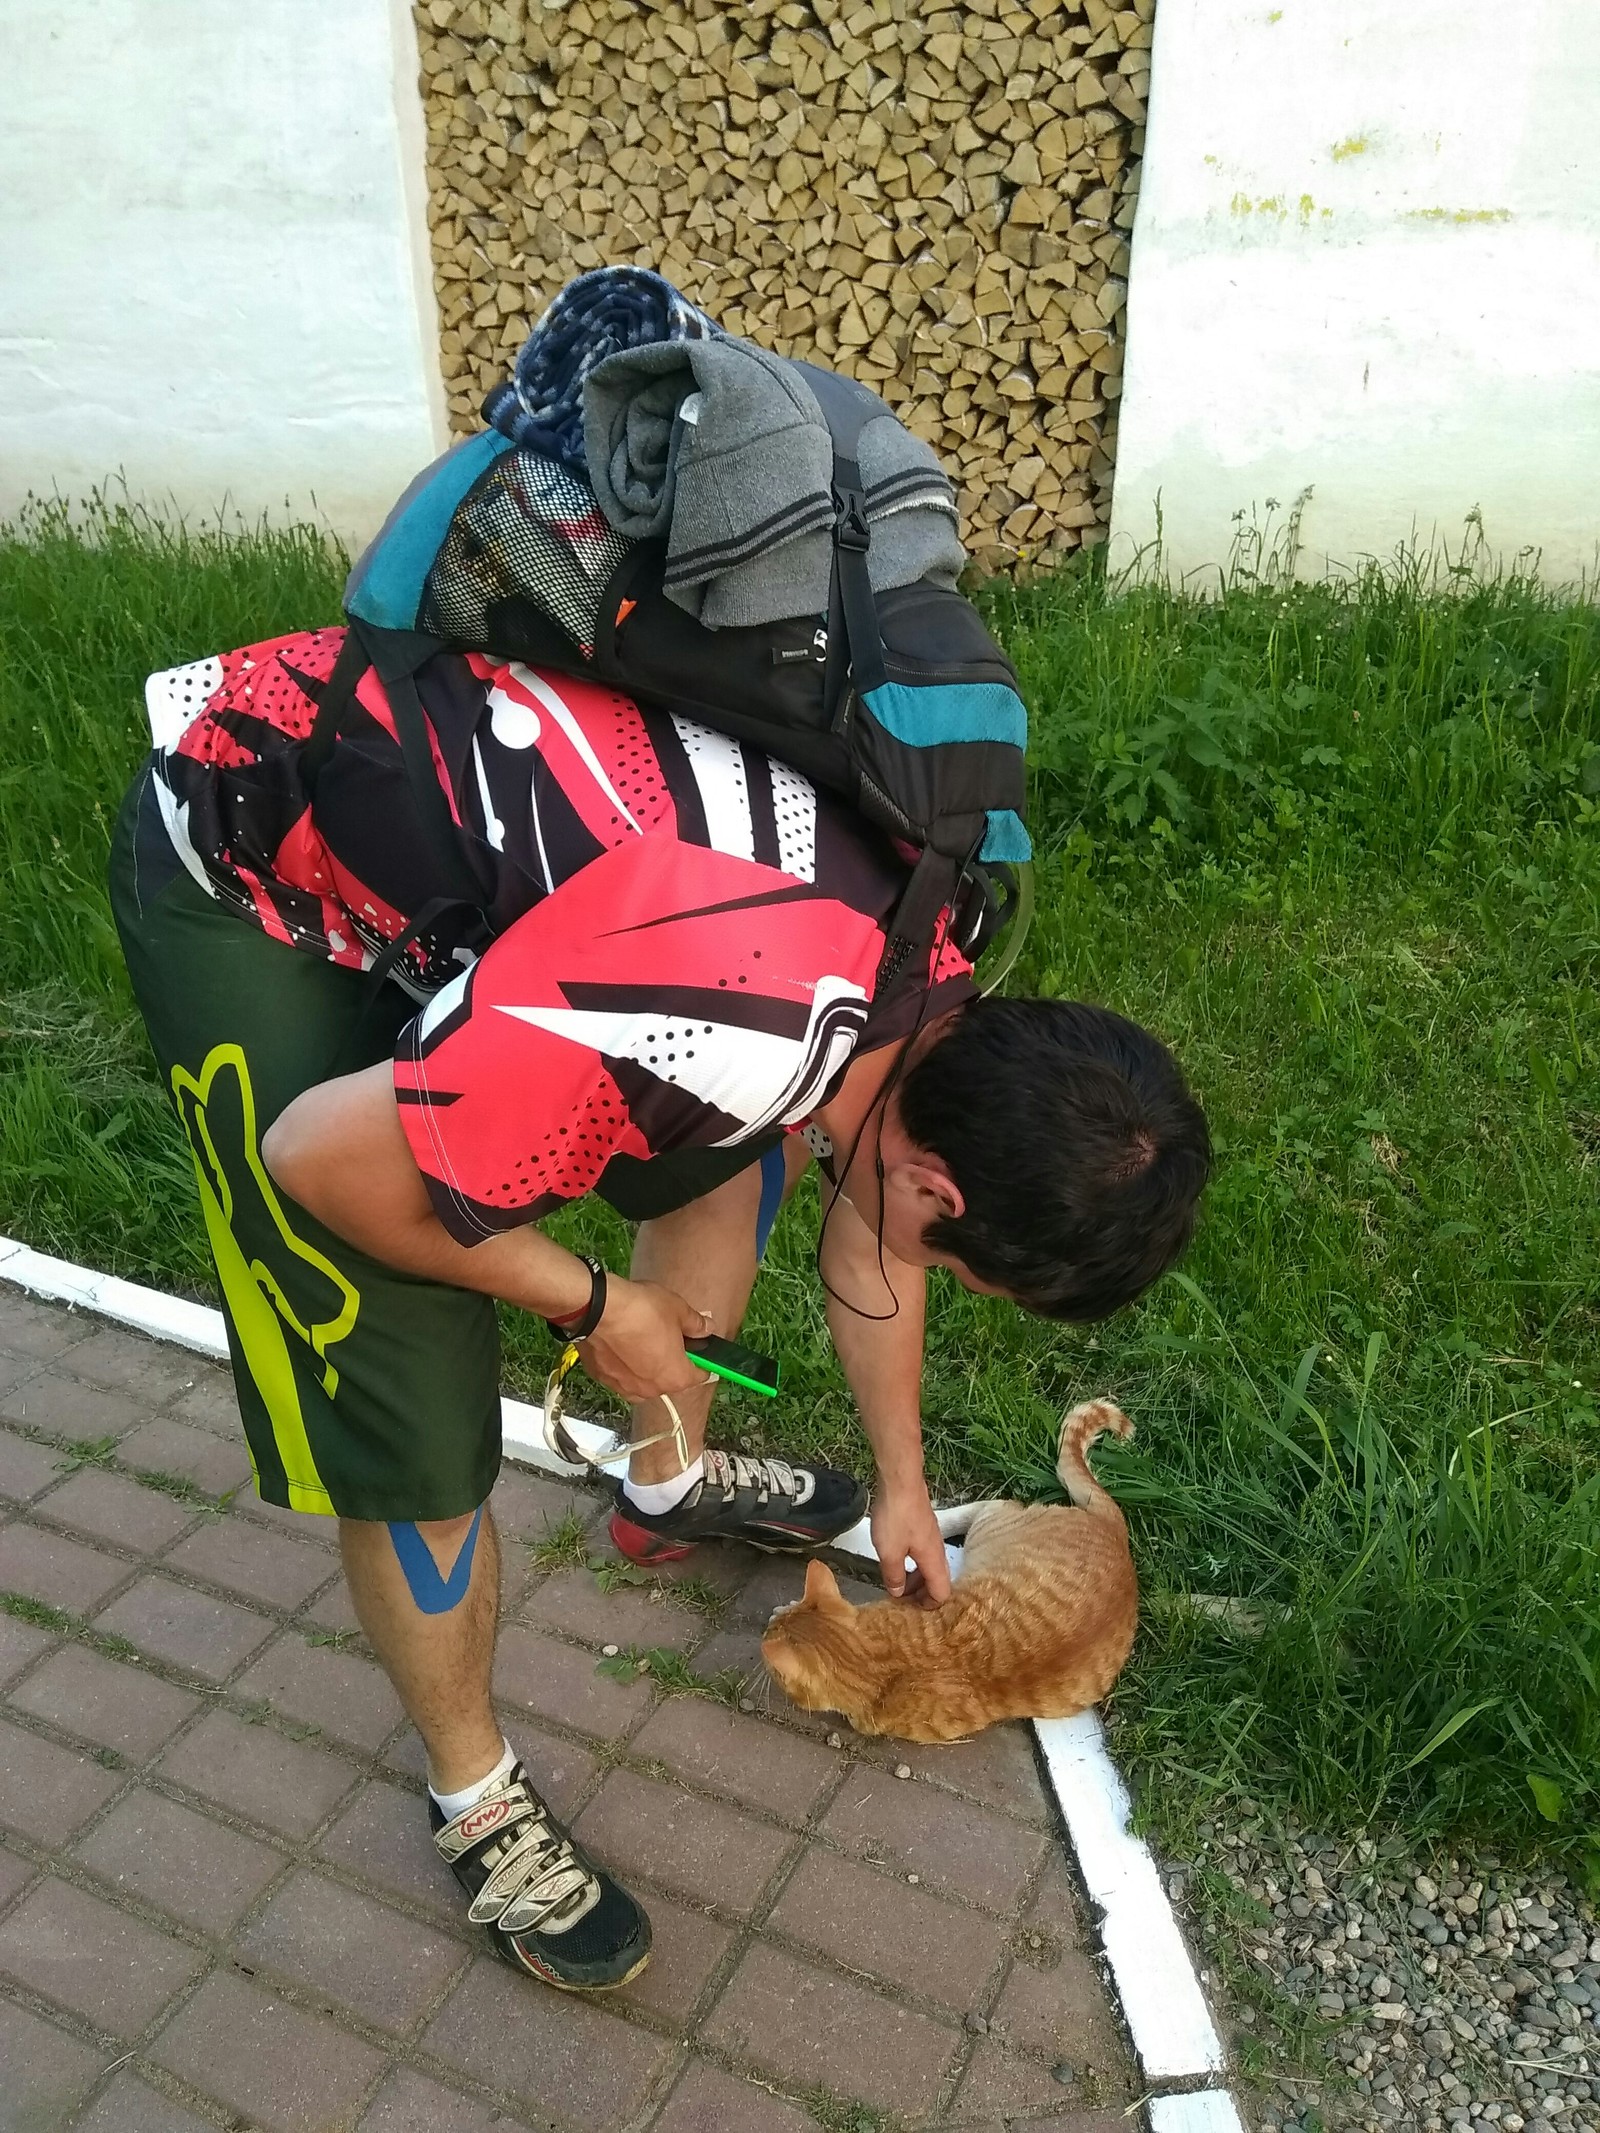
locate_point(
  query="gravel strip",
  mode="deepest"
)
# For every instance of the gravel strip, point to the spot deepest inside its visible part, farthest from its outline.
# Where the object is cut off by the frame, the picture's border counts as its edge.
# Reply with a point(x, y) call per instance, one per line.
point(1442, 1991)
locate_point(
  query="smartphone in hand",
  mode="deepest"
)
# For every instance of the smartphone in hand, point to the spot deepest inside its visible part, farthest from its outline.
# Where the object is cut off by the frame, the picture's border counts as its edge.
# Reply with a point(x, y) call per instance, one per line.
point(739, 1365)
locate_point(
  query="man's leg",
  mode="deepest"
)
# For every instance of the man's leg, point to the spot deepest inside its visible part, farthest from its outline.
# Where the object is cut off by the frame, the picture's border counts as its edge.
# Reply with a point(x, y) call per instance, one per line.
point(362, 1392)
point(427, 1596)
point(708, 1251)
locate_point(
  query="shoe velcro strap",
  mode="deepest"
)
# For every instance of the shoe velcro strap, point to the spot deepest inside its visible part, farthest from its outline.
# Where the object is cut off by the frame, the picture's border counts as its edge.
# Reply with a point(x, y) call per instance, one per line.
point(496, 1815)
point(538, 1881)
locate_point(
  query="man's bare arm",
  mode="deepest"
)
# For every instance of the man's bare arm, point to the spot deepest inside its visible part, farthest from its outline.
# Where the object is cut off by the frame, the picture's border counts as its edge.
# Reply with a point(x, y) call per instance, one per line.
point(340, 1150)
point(881, 1357)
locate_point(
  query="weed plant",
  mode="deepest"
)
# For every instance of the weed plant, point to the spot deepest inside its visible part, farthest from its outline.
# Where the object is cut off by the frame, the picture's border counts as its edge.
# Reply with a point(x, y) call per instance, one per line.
point(1340, 844)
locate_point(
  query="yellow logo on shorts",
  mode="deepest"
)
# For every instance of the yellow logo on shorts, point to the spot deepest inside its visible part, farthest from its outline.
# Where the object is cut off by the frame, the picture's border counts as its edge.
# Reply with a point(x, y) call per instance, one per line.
point(237, 1196)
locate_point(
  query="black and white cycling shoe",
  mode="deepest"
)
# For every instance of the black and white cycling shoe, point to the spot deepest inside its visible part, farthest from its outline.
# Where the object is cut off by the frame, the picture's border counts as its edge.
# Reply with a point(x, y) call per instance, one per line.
point(769, 1503)
point(549, 1909)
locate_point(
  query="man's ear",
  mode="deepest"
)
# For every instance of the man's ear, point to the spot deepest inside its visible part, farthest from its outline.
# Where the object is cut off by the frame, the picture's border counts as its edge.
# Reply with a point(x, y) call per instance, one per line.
point(822, 1586)
point(933, 1179)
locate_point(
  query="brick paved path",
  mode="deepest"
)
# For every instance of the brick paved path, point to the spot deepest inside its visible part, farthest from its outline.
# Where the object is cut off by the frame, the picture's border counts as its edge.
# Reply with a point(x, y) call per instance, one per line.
point(219, 1905)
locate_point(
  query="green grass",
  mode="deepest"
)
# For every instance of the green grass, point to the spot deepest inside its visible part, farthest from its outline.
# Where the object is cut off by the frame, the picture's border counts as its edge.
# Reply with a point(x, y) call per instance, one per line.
point(1339, 845)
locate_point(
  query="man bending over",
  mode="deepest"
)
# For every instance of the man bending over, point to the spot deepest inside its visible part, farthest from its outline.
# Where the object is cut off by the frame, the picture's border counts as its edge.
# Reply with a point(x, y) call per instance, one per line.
point(675, 1009)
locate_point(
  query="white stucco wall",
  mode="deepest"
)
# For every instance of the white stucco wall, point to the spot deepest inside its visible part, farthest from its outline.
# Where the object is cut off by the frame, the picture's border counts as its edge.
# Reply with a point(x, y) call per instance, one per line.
point(1366, 261)
point(213, 271)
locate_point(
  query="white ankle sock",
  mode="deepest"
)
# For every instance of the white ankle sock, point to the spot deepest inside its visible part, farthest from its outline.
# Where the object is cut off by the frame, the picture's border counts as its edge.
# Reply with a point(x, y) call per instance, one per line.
point(655, 1497)
point(451, 1804)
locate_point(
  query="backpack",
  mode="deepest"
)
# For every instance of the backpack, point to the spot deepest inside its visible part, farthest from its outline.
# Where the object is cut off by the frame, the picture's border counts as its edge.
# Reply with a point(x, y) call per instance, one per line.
point(899, 700)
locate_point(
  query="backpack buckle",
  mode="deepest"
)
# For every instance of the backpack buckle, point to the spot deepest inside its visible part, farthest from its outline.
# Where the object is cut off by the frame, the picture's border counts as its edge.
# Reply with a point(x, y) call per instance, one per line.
point(850, 528)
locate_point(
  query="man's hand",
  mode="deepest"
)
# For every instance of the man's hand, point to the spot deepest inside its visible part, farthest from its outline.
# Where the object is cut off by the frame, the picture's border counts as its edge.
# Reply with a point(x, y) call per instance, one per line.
point(903, 1524)
point(637, 1349)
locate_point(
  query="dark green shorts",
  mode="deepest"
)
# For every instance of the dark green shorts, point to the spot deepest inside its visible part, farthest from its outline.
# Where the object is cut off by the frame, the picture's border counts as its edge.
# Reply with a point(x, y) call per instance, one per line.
point(364, 1391)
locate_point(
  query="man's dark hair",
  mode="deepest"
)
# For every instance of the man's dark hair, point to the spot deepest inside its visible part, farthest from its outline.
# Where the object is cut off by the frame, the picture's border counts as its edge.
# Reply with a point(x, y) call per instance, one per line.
point(1076, 1145)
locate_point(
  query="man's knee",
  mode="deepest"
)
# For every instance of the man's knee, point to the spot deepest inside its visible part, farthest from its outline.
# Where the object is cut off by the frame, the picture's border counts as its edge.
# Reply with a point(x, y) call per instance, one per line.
point(445, 1535)
point(436, 1557)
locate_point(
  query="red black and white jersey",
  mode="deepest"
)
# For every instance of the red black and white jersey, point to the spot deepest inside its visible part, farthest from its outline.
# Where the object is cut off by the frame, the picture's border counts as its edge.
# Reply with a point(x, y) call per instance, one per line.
point(686, 933)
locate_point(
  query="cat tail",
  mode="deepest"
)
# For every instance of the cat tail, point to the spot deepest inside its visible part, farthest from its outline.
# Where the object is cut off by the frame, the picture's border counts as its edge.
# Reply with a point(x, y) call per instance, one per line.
point(1094, 1418)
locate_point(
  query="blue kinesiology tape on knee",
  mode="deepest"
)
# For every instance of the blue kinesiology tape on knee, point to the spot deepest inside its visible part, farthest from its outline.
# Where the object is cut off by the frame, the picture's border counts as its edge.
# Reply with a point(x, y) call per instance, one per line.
point(433, 1593)
point(772, 1177)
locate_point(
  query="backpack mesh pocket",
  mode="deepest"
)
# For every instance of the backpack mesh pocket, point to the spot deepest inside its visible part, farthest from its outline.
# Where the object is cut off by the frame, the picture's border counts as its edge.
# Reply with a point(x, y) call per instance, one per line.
point(529, 535)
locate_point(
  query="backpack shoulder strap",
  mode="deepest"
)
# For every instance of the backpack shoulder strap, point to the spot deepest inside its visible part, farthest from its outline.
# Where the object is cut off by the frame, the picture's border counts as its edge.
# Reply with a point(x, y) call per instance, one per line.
point(394, 656)
point(332, 702)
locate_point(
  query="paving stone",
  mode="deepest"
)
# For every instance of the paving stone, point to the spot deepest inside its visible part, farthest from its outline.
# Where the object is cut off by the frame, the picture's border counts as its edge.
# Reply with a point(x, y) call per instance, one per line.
point(697, 1848)
point(871, 1921)
point(210, 1403)
point(552, 1680)
point(62, 1572)
point(316, 1528)
point(573, 1603)
point(727, 1565)
point(39, 1330)
point(46, 2072)
point(162, 1446)
point(1000, 2082)
point(115, 1508)
point(685, 1949)
point(26, 1467)
point(738, 1652)
point(15, 1370)
point(346, 1697)
point(815, 2029)
point(559, 1768)
point(383, 1837)
point(763, 1765)
point(247, 1559)
point(950, 1844)
point(15, 1874)
point(1055, 1908)
point(86, 1955)
point(284, 1784)
point(1088, 2121)
point(997, 1769)
point(1060, 2012)
point(780, 1579)
point(198, 1870)
point(100, 1700)
point(68, 1408)
point(411, 2103)
point(20, 1642)
point(131, 2106)
point(344, 1947)
point(558, 2052)
point(282, 2069)
point(45, 1791)
point(334, 1610)
point(706, 2100)
point(528, 1507)
point(187, 1629)
point(131, 1362)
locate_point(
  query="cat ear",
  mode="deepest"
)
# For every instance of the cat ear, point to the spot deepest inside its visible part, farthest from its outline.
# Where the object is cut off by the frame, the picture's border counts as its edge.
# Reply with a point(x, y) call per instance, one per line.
point(821, 1584)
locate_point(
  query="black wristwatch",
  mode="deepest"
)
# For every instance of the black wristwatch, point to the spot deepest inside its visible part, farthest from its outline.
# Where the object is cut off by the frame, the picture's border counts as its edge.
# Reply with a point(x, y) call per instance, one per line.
point(579, 1328)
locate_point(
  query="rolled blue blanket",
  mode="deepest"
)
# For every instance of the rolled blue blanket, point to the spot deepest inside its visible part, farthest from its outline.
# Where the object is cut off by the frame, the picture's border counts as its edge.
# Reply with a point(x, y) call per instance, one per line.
point(598, 315)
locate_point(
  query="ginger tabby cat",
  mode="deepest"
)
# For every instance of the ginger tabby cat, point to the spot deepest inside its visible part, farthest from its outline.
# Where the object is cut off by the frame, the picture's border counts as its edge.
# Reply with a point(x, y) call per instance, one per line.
point(1038, 1624)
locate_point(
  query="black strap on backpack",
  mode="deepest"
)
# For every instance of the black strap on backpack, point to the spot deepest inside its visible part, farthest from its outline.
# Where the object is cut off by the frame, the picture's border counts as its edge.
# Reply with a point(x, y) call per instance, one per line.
point(855, 643)
point(394, 656)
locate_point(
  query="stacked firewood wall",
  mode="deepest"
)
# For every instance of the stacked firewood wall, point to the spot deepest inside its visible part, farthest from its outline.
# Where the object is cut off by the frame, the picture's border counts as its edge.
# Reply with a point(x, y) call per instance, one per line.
point(936, 199)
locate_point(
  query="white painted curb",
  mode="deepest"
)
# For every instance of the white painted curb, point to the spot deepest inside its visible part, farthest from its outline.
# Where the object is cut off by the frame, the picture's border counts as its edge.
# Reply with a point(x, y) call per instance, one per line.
point(1151, 1967)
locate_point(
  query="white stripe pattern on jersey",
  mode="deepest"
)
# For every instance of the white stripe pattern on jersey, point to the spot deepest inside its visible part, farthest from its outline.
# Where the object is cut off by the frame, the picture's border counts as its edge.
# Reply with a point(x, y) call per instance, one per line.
point(175, 698)
point(794, 808)
point(718, 768)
